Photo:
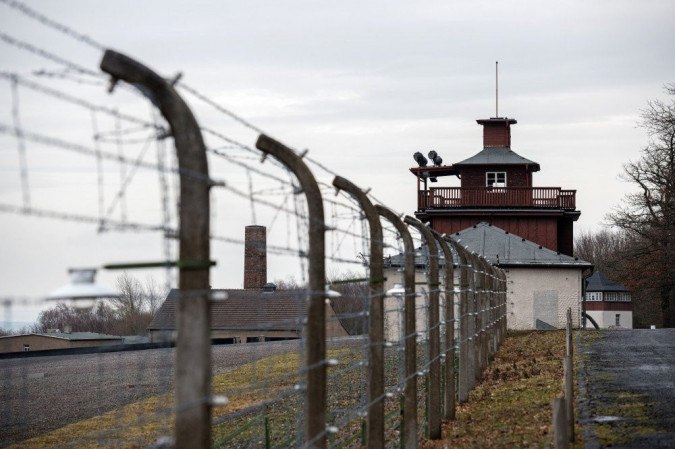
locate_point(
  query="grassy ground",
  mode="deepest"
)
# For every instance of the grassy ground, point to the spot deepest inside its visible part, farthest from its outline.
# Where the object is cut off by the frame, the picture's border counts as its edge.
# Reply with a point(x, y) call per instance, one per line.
point(511, 407)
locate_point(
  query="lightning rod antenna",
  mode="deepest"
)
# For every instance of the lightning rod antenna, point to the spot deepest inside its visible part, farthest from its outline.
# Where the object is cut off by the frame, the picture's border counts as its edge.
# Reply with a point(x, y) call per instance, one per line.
point(496, 88)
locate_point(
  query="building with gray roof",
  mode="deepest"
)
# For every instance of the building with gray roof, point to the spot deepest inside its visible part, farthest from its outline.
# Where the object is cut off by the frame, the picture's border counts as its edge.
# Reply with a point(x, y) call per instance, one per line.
point(608, 303)
point(56, 340)
point(542, 283)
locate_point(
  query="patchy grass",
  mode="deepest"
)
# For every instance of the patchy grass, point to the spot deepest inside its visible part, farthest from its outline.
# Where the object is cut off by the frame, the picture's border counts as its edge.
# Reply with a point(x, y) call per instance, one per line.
point(139, 424)
point(511, 407)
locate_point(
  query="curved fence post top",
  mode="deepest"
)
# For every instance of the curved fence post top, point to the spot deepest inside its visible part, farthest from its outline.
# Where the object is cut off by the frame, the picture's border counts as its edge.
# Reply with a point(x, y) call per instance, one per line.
point(193, 348)
point(375, 424)
point(315, 328)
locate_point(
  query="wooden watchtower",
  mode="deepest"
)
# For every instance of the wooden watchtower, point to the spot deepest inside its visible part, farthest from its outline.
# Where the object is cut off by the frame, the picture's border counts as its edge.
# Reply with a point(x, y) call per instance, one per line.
point(496, 187)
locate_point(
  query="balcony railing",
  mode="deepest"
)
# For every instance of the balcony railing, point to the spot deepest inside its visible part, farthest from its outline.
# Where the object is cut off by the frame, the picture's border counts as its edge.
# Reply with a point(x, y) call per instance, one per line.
point(528, 197)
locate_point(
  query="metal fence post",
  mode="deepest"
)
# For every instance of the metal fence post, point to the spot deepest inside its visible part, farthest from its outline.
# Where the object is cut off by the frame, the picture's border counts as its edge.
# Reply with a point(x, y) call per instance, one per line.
point(315, 329)
point(375, 317)
point(193, 345)
point(434, 331)
point(409, 333)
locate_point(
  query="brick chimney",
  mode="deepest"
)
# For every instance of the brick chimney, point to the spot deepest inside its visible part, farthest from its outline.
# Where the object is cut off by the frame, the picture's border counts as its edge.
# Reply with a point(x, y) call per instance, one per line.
point(255, 257)
point(497, 131)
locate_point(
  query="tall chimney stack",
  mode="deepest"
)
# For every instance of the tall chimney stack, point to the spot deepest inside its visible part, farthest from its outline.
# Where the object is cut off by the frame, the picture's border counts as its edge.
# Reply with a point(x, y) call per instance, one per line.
point(255, 257)
point(497, 131)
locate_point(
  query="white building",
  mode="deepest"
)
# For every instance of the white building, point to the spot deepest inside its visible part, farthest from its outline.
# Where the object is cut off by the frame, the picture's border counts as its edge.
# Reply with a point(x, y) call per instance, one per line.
point(608, 303)
point(541, 284)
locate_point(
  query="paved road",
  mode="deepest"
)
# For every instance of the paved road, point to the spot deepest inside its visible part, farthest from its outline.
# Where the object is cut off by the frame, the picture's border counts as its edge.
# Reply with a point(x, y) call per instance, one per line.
point(629, 380)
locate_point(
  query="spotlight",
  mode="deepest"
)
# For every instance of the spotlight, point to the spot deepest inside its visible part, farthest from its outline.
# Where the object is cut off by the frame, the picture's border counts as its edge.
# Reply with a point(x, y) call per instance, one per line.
point(437, 160)
point(420, 159)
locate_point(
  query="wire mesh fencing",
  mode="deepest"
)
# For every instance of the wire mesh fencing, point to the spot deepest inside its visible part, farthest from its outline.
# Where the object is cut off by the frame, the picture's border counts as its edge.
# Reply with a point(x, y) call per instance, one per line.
point(374, 327)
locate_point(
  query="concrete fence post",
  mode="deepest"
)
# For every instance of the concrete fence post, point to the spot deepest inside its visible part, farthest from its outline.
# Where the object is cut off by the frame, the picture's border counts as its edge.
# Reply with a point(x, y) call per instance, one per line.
point(560, 438)
point(569, 396)
point(503, 310)
point(193, 344)
point(375, 428)
point(471, 312)
point(409, 332)
point(463, 384)
point(433, 326)
point(569, 348)
point(449, 318)
point(315, 328)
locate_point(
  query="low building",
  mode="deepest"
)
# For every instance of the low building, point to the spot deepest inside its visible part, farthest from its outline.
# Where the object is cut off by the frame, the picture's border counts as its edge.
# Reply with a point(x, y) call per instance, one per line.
point(258, 312)
point(243, 316)
point(608, 303)
point(56, 340)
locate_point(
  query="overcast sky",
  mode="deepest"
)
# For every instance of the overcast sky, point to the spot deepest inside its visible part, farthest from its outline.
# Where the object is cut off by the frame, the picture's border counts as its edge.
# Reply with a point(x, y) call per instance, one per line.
point(362, 85)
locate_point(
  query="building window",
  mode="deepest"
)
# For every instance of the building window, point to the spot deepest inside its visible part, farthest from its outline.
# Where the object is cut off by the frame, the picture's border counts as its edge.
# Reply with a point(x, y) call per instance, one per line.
point(618, 319)
point(26, 348)
point(593, 296)
point(495, 179)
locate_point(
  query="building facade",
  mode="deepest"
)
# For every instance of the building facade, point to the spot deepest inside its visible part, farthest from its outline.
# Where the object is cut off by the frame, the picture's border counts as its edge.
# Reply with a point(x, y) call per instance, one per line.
point(541, 284)
point(608, 303)
point(56, 340)
point(496, 186)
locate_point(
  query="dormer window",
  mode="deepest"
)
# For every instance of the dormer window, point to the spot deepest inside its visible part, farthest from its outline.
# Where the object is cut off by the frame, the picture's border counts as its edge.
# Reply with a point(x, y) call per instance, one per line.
point(495, 179)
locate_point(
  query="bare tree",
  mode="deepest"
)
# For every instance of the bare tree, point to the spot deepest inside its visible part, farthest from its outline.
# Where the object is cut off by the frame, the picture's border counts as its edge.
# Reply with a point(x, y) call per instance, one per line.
point(648, 214)
point(137, 303)
point(129, 314)
point(351, 306)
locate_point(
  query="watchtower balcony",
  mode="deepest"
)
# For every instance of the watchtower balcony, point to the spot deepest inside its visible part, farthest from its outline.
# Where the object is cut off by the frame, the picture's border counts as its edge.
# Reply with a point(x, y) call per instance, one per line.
point(496, 197)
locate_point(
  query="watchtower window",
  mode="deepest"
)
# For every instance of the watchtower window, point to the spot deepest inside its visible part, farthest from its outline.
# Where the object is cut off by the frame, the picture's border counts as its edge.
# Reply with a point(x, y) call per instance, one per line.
point(495, 179)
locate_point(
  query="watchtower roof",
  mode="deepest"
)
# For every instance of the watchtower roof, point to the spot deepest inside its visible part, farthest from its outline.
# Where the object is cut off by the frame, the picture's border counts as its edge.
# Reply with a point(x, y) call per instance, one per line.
point(498, 156)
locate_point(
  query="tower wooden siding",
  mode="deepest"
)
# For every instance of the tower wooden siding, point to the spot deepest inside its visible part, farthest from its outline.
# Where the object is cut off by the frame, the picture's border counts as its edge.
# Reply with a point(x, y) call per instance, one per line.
point(541, 230)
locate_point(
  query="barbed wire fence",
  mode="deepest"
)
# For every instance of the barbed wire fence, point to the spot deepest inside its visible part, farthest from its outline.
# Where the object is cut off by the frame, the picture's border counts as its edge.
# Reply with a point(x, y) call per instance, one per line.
point(377, 328)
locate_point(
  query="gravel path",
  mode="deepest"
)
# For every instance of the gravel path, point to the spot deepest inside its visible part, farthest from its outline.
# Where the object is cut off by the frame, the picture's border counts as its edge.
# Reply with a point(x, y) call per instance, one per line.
point(629, 380)
point(40, 394)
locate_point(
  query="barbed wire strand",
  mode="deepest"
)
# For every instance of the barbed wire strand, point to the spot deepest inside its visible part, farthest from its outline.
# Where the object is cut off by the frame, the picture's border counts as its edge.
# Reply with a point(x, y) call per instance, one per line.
point(46, 21)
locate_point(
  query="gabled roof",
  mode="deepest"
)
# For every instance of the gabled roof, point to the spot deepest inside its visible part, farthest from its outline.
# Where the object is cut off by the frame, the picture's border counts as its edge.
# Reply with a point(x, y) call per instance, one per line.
point(498, 156)
point(243, 310)
point(505, 249)
point(598, 282)
point(421, 258)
